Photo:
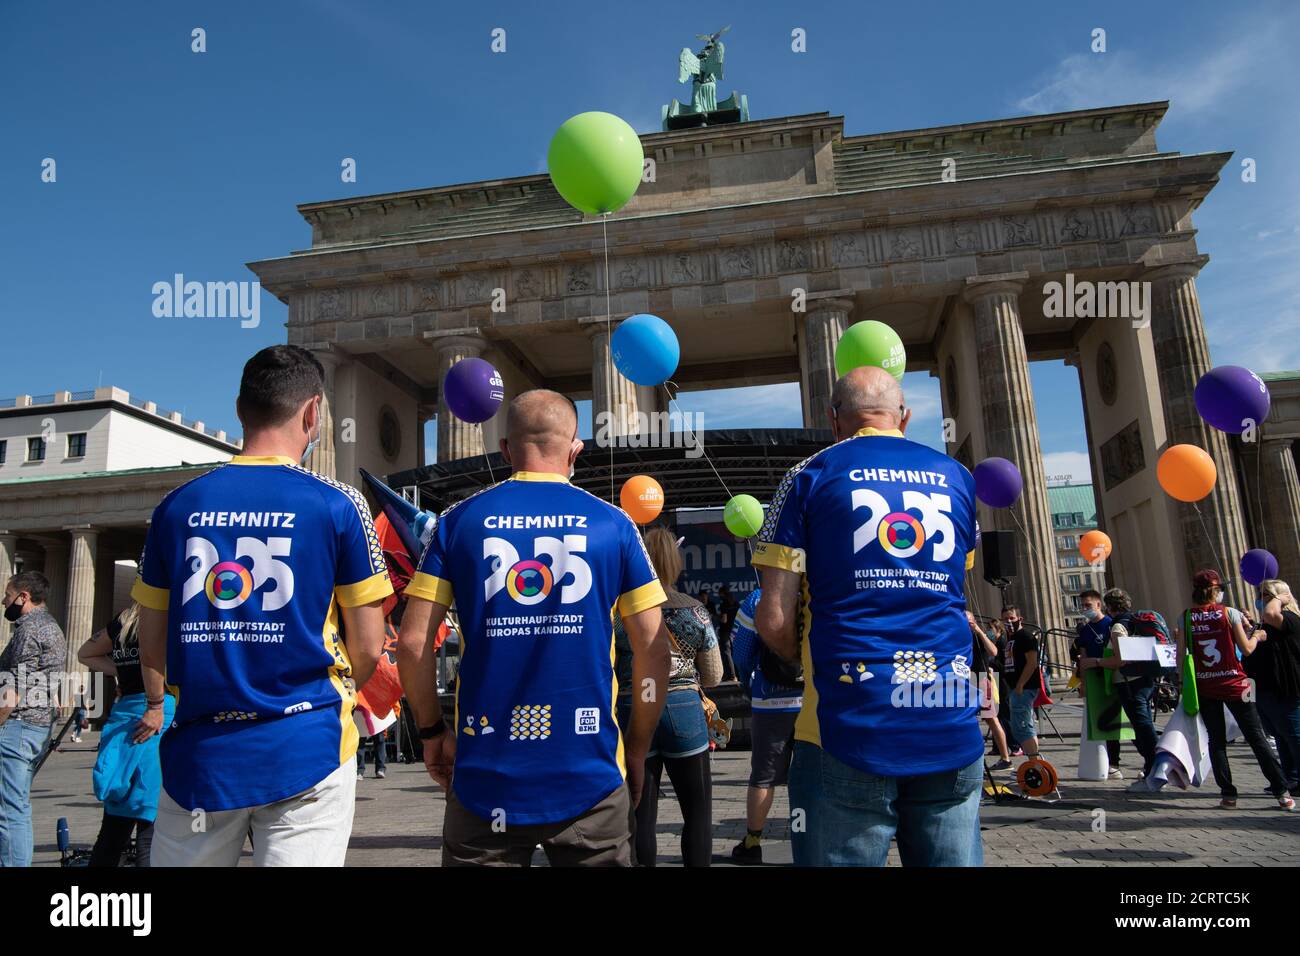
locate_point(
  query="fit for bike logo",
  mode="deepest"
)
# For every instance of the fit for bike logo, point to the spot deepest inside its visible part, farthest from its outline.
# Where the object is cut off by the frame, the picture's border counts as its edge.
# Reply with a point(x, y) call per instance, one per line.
point(208, 300)
point(228, 583)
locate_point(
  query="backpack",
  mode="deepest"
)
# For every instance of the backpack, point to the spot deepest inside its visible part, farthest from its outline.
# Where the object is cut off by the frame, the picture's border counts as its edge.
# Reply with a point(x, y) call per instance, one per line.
point(777, 671)
point(1147, 624)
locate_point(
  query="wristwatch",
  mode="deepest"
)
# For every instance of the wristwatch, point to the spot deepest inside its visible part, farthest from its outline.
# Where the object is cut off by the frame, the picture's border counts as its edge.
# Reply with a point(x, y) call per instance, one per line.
point(437, 730)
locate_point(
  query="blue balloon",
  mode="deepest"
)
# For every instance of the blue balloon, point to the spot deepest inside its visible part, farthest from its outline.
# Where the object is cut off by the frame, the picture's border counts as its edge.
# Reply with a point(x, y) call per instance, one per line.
point(645, 350)
point(1230, 397)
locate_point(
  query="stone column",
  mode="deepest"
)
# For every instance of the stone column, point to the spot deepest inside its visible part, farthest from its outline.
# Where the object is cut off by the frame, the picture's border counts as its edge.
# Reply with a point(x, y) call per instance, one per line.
point(456, 439)
point(610, 392)
point(56, 569)
point(79, 625)
point(819, 333)
point(8, 545)
point(322, 460)
point(1011, 431)
point(1280, 506)
point(1213, 531)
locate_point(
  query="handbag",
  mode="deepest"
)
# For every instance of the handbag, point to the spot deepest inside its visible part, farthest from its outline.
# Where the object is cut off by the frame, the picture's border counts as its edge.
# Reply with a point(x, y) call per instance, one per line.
point(719, 728)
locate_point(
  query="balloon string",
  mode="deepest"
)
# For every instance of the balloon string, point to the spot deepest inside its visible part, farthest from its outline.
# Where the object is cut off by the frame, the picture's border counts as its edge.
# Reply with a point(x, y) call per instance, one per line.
point(1222, 568)
point(693, 434)
point(609, 353)
point(1259, 502)
point(486, 460)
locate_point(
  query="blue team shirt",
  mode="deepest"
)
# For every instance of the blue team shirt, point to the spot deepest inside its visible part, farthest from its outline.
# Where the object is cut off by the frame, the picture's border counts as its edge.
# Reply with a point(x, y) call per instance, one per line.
point(881, 529)
point(1093, 636)
point(745, 647)
point(536, 568)
point(251, 562)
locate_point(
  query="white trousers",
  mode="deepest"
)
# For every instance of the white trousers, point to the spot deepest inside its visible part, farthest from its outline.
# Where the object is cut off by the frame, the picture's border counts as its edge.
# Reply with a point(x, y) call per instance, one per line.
point(311, 828)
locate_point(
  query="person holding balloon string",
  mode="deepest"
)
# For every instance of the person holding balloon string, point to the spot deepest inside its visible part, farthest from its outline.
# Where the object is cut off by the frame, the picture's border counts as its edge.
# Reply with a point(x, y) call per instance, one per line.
point(1275, 667)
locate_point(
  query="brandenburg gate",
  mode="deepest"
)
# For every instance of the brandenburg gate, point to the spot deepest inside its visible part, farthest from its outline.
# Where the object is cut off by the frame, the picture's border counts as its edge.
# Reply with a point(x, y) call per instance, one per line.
point(760, 242)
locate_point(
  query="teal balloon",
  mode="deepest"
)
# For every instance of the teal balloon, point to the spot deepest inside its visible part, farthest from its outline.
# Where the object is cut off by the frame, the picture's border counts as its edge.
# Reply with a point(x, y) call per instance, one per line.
point(743, 516)
point(870, 343)
point(595, 162)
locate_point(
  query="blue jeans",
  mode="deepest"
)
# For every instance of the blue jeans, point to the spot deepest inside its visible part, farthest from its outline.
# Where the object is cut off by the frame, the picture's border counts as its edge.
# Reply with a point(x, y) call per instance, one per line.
point(1135, 697)
point(1282, 717)
point(683, 729)
point(850, 815)
point(20, 744)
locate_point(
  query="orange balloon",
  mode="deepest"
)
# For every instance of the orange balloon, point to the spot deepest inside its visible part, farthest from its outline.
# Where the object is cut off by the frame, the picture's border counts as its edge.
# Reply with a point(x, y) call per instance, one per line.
point(642, 498)
point(1094, 545)
point(1186, 472)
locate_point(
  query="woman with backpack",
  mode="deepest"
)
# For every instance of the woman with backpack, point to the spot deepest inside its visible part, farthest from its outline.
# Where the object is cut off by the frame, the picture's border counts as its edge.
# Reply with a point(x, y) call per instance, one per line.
point(1213, 633)
point(681, 742)
point(1275, 667)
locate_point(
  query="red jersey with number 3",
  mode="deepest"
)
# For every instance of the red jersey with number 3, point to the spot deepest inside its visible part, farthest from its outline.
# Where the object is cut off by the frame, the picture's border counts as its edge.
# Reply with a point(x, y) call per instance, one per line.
point(1219, 674)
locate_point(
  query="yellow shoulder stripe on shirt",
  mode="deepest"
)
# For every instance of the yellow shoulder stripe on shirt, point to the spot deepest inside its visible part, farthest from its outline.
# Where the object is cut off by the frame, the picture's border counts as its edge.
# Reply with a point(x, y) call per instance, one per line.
point(146, 595)
point(651, 594)
point(779, 556)
point(374, 588)
point(970, 560)
point(429, 588)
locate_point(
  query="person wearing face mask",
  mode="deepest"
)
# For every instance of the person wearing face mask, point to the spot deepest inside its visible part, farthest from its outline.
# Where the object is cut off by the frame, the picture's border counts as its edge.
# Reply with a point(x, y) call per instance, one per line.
point(251, 575)
point(537, 569)
point(1212, 633)
point(1275, 667)
point(1092, 635)
point(29, 668)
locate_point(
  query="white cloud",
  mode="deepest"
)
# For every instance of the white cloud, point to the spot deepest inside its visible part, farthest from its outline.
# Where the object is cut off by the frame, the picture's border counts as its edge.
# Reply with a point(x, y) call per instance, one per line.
point(1195, 83)
point(1075, 464)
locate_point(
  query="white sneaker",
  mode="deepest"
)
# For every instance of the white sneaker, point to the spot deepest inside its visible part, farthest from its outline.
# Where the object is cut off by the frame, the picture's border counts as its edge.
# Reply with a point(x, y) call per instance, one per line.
point(1116, 773)
point(1139, 786)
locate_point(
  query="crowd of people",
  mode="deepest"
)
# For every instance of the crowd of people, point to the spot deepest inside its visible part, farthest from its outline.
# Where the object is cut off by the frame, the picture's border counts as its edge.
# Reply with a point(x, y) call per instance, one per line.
point(585, 673)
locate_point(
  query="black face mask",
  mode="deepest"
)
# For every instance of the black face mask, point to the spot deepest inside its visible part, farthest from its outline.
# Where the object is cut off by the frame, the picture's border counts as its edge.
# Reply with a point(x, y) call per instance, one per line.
point(13, 612)
point(1013, 625)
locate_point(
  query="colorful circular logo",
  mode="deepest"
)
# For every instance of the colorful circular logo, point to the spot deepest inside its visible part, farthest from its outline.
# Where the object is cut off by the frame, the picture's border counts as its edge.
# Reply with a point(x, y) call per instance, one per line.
point(529, 582)
point(901, 535)
point(228, 585)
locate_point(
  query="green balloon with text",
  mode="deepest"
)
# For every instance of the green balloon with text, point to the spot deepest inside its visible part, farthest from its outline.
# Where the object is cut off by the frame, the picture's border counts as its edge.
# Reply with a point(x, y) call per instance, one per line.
point(870, 343)
point(595, 162)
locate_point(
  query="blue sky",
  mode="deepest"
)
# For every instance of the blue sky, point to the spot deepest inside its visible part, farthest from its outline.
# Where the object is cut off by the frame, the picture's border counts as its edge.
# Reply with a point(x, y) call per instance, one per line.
point(171, 161)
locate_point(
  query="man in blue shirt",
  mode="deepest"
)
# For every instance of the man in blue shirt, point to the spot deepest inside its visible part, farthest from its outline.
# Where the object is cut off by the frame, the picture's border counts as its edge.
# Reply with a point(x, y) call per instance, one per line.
point(1092, 635)
point(252, 576)
point(775, 689)
point(537, 569)
point(863, 556)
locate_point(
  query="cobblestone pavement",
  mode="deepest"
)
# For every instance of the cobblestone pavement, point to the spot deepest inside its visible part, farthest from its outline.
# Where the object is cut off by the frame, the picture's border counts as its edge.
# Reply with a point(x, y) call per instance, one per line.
point(398, 820)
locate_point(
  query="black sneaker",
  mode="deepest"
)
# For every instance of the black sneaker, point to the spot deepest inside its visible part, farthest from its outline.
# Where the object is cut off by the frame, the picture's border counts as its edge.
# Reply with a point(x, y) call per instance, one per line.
point(747, 855)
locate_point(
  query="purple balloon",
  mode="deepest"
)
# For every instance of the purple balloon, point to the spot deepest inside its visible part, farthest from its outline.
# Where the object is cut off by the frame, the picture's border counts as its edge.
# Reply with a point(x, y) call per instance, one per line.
point(1229, 395)
point(1258, 565)
point(473, 389)
point(997, 482)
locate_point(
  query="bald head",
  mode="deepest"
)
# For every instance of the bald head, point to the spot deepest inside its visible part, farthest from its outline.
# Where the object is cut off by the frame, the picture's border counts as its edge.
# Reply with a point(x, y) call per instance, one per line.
point(867, 396)
point(541, 428)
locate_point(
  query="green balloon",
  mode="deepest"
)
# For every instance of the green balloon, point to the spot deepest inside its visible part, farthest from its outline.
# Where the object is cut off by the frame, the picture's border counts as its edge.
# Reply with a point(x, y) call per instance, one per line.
point(870, 343)
point(743, 516)
point(595, 162)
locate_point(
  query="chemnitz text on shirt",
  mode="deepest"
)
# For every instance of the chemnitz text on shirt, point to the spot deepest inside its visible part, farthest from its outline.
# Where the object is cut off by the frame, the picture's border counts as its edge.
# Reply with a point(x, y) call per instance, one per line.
point(77, 909)
point(526, 522)
point(242, 519)
point(896, 474)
